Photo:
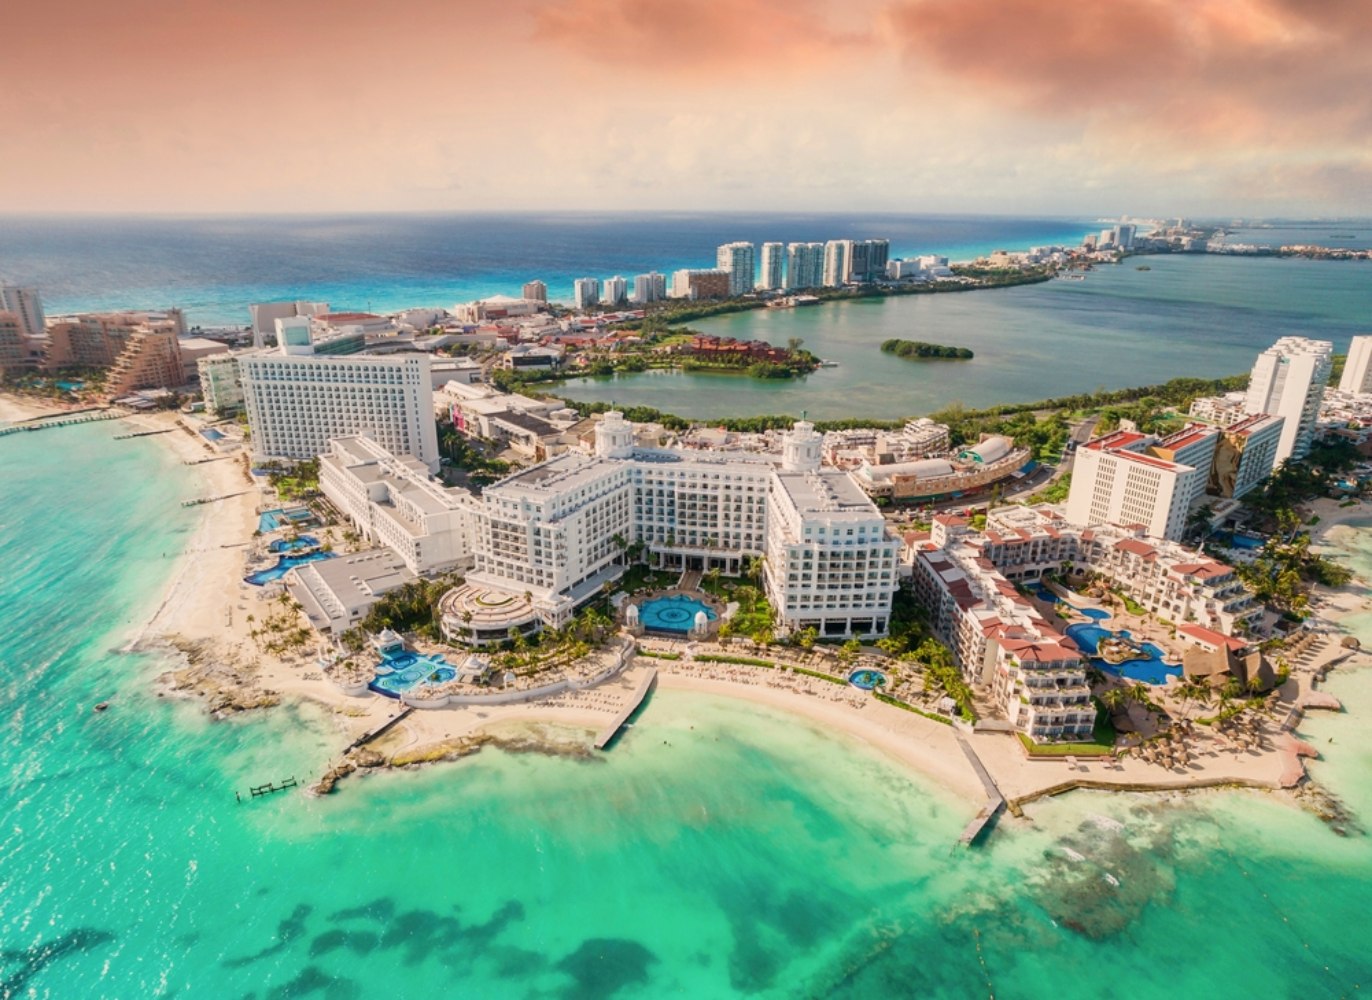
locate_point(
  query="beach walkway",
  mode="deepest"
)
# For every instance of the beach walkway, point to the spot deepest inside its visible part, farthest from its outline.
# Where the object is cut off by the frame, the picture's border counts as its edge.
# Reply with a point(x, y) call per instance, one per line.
point(609, 732)
point(995, 801)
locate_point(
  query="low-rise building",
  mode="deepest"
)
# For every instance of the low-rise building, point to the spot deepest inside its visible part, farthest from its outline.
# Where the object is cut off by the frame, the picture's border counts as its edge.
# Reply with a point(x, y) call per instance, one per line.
point(335, 594)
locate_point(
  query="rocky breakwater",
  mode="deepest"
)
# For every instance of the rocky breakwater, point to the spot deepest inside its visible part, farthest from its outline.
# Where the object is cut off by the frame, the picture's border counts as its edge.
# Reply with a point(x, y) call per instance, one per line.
point(530, 738)
point(226, 684)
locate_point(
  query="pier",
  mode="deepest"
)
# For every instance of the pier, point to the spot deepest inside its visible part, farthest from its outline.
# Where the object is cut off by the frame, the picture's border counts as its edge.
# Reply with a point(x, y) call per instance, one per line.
point(995, 801)
point(612, 730)
point(270, 788)
point(143, 434)
point(223, 496)
point(378, 732)
point(43, 423)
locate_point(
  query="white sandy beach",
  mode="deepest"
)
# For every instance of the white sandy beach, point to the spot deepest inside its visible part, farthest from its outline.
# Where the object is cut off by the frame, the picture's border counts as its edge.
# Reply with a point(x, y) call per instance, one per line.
point(206, 605)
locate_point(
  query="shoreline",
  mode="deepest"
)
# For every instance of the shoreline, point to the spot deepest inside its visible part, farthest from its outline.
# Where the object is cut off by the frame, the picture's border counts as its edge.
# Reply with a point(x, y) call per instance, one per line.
point(204, 623)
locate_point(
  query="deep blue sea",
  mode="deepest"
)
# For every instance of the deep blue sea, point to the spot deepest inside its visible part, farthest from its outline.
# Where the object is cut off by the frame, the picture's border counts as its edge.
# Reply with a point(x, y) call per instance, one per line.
point(216, 267)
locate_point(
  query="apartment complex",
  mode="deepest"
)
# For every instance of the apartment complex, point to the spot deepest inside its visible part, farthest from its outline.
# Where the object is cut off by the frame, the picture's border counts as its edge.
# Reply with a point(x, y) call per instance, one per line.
point(836, 262)
point(1245, 455)
point(1132, 478)
point(650, 287)
point(393, 501)
point(1357, 370)
point(297, 401)
point(773, 262)
point(737, 259)
point(1288, 381)
point(586, 292)
point(701, 284)
point(614, 291)
point(804, 266)
point(534, 291)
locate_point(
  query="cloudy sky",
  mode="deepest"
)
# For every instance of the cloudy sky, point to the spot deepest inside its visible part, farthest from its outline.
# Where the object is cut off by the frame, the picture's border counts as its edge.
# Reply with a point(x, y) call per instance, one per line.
point(1229, 107)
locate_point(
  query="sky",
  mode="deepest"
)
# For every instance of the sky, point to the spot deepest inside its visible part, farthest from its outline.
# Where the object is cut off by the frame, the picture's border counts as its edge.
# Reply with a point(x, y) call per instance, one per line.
point(1149, 107)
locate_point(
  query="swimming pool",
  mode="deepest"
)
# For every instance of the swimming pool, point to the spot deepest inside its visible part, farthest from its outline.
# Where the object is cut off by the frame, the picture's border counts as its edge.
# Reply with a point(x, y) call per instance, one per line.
point(283, 566)
point(405, 671)
point(1149, 668)
point(674, 614)
point(294, 544)
point(270, 520)
point(867, 679)
point(210, 434)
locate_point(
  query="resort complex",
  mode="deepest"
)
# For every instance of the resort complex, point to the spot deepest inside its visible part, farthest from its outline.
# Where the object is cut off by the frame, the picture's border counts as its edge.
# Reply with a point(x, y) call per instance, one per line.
point(521, 533)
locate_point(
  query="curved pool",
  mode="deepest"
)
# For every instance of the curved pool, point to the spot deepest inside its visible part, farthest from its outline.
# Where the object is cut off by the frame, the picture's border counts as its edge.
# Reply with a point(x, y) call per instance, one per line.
point(675, 614)
point(1149, 668)
point(867, 679)
point(405, 671)
point(283, 566)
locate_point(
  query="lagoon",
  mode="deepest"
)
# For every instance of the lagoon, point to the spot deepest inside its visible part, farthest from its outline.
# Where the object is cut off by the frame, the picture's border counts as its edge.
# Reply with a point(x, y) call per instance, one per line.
point(1195, 315)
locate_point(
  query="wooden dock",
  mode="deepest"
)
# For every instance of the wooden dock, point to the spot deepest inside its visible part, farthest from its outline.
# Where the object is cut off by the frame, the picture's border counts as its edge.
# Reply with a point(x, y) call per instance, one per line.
point(270, 788)
point(612, 730)
point(995, 801)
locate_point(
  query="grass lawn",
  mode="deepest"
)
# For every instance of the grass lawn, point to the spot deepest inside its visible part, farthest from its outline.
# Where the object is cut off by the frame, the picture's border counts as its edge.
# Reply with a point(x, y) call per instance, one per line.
point(1102, 741)
point(639, 576)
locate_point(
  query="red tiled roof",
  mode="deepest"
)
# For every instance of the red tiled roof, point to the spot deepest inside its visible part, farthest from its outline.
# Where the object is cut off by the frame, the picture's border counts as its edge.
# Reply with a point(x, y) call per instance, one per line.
point(1212, 638)
point(1137, 546)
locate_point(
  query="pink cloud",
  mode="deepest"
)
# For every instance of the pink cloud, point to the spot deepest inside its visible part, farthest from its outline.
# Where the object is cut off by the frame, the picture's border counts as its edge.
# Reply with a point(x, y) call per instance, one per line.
point(1213, 72)
point(698, 38)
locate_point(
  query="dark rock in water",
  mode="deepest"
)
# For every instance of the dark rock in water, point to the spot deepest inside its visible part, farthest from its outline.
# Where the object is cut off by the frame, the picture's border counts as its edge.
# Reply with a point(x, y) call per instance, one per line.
point(102, 706)
point(1330, 808)
point(602, 967)
point(35, 959)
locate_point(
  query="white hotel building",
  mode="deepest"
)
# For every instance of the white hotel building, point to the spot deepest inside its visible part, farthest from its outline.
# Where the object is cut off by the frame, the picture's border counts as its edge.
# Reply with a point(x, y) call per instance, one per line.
point(1131, 478)
point(393, 501)
point(297, 401)
point(559, 531)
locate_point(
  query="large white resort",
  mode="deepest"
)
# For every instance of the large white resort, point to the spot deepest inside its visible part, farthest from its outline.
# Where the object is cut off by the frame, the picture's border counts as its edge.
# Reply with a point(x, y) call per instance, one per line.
point(546, 540)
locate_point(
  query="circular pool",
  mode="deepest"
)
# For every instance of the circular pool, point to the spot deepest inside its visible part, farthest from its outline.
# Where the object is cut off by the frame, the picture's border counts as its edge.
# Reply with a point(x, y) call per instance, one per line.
point(675, 614)
point(867, 679)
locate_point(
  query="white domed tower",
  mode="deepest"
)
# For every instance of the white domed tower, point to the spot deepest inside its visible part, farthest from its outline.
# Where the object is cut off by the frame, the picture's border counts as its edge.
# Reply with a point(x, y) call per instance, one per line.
point(614, 436)
point(800, 448)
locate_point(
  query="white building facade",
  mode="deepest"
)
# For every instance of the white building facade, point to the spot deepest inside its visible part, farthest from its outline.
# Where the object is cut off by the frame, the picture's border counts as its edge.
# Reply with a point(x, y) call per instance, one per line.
point(738, 260)
point(393, 501)
point(1288, 381)
point(773, 261)
point(298, 401)
point(1357, 370)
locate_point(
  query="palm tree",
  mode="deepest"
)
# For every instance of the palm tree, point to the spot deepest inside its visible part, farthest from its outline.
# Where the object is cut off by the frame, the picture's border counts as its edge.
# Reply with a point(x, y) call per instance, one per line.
point(1115, 700)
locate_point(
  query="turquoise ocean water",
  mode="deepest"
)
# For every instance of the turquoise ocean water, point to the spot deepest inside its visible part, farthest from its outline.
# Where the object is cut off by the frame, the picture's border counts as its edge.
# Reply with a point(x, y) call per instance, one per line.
point(717, 851)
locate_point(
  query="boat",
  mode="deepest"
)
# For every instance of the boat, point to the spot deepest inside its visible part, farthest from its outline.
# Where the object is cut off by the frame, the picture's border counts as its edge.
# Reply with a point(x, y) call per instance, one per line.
point(1143, 267)
point(828, 364)
point(102, 706)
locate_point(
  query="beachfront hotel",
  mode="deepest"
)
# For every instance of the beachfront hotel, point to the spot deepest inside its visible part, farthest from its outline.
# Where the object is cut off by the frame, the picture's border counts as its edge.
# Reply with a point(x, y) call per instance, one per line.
point(970, 583)
point(1288, 381)
point(1127, 477)
point(297, 401)
point(999, 640)
point(548, 539)
point(1357, 370)
point(393, 501)
point(27, 306)
point(140, 350)
point(804, 265)
point(772, 262)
